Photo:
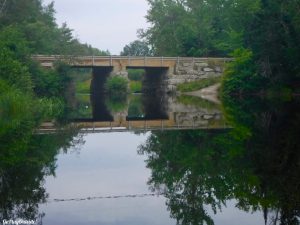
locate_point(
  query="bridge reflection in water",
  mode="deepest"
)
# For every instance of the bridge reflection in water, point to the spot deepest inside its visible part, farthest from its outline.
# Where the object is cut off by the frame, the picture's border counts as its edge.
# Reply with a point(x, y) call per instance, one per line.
point(149, 112)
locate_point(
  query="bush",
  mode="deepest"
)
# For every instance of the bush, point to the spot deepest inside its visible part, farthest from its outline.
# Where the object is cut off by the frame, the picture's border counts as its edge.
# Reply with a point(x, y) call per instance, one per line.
point(135, 86)
point(240, 75)
point(19, 111)
point(116, 85)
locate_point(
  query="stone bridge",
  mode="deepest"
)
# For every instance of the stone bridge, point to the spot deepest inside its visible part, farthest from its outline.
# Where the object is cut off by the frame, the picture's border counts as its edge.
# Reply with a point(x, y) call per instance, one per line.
point(167, 71)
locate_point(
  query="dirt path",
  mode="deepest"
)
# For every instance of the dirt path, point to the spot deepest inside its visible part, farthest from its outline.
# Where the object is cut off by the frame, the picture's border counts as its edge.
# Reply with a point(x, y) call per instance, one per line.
point(209, 93)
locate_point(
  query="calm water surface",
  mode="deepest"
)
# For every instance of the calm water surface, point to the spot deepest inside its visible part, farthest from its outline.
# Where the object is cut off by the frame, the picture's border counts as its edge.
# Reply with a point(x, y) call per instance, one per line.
point(109, 168)
point(187, 161)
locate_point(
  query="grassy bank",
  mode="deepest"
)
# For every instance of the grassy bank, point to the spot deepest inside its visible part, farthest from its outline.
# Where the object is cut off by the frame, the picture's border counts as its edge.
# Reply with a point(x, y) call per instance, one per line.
point(197, 85)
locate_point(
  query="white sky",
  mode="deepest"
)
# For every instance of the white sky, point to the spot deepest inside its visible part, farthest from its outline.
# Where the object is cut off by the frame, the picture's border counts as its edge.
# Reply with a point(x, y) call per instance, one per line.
point(105, 24)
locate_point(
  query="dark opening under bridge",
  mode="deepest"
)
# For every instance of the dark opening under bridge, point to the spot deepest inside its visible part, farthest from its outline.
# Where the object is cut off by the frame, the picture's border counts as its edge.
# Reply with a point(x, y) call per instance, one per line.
point(169, 71)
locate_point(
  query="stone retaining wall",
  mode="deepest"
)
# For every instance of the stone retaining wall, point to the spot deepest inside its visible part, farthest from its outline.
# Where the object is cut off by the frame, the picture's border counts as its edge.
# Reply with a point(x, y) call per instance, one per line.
point(192, 71)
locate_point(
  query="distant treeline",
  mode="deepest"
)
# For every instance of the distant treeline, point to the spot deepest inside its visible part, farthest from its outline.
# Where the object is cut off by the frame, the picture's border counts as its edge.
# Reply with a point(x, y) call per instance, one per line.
point(263, 35)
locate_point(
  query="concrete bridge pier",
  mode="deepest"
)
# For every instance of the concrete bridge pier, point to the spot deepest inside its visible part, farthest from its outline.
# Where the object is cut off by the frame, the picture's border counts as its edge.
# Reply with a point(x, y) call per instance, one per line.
point(155, 80)
point(120, 70)
point(99, 77)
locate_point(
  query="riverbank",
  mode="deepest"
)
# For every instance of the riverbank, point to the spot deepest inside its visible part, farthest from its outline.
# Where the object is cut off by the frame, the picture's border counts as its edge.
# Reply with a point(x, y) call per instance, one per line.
point(209, 93)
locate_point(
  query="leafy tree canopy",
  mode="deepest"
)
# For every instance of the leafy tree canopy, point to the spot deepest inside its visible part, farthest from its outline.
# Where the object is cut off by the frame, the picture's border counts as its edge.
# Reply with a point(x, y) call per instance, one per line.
point(136, 48)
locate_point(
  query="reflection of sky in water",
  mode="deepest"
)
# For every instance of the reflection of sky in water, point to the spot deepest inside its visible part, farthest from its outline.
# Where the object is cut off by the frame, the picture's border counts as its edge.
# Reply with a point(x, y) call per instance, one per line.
point(106, 165)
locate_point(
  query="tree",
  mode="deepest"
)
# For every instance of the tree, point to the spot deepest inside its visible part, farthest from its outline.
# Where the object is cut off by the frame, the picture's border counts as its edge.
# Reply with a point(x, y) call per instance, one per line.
point(197, 27)
point(136, 48)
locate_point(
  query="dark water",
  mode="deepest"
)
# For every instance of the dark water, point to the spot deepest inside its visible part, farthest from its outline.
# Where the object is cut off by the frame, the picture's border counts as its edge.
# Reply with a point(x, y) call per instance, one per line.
point(180, 160)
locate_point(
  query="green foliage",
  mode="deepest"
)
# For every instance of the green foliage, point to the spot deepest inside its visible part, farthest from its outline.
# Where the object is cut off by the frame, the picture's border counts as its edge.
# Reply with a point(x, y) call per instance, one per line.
point(240, 76)
point(26, 28)
point(268, 130)
point(83, 107)
point(256, 163)
point(116, 85)
point(13, 52)
point(274, 39)
point(136, 74)
point(37, 24)
point(116, 103)
point(135, 107)
point(197, 27)
point(268, 29)
point(25, 171)
point(136, 48)
point(20, 114)
point(17, 109)
point(81, 77)
point(192, 172)
point(135, 79)
point(197, 85)
point(83, 87)
point(135, 86)
point(13, 71)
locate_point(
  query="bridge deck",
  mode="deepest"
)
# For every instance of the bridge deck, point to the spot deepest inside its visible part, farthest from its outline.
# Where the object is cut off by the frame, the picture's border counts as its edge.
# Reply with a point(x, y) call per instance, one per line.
point(128, 61)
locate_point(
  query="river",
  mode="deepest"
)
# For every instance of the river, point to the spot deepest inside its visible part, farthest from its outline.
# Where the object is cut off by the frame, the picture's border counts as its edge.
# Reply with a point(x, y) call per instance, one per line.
point(159, 160)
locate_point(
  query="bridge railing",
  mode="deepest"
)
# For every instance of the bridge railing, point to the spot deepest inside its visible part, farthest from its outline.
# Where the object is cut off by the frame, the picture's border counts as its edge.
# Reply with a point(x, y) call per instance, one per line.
point(57, 57)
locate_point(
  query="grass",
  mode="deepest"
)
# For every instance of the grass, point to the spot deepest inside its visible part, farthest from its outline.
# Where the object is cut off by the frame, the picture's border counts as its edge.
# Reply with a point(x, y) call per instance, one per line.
point(199, 84)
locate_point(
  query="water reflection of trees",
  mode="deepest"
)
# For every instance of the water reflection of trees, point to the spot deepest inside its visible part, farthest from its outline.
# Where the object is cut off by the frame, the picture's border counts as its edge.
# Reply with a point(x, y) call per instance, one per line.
point(23, 170)
point(257, 163)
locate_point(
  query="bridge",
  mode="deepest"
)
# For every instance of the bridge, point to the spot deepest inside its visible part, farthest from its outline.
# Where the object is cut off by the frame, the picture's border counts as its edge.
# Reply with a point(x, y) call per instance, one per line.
point(169, 71)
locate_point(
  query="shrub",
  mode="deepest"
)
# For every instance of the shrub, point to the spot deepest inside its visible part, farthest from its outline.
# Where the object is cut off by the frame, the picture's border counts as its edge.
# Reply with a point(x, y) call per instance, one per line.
point(135, 86)
point(240, 75)
point(116, 85)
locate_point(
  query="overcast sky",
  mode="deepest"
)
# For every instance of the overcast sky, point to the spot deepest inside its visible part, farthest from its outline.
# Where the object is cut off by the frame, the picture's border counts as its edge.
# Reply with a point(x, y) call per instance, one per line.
point(105, 24)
